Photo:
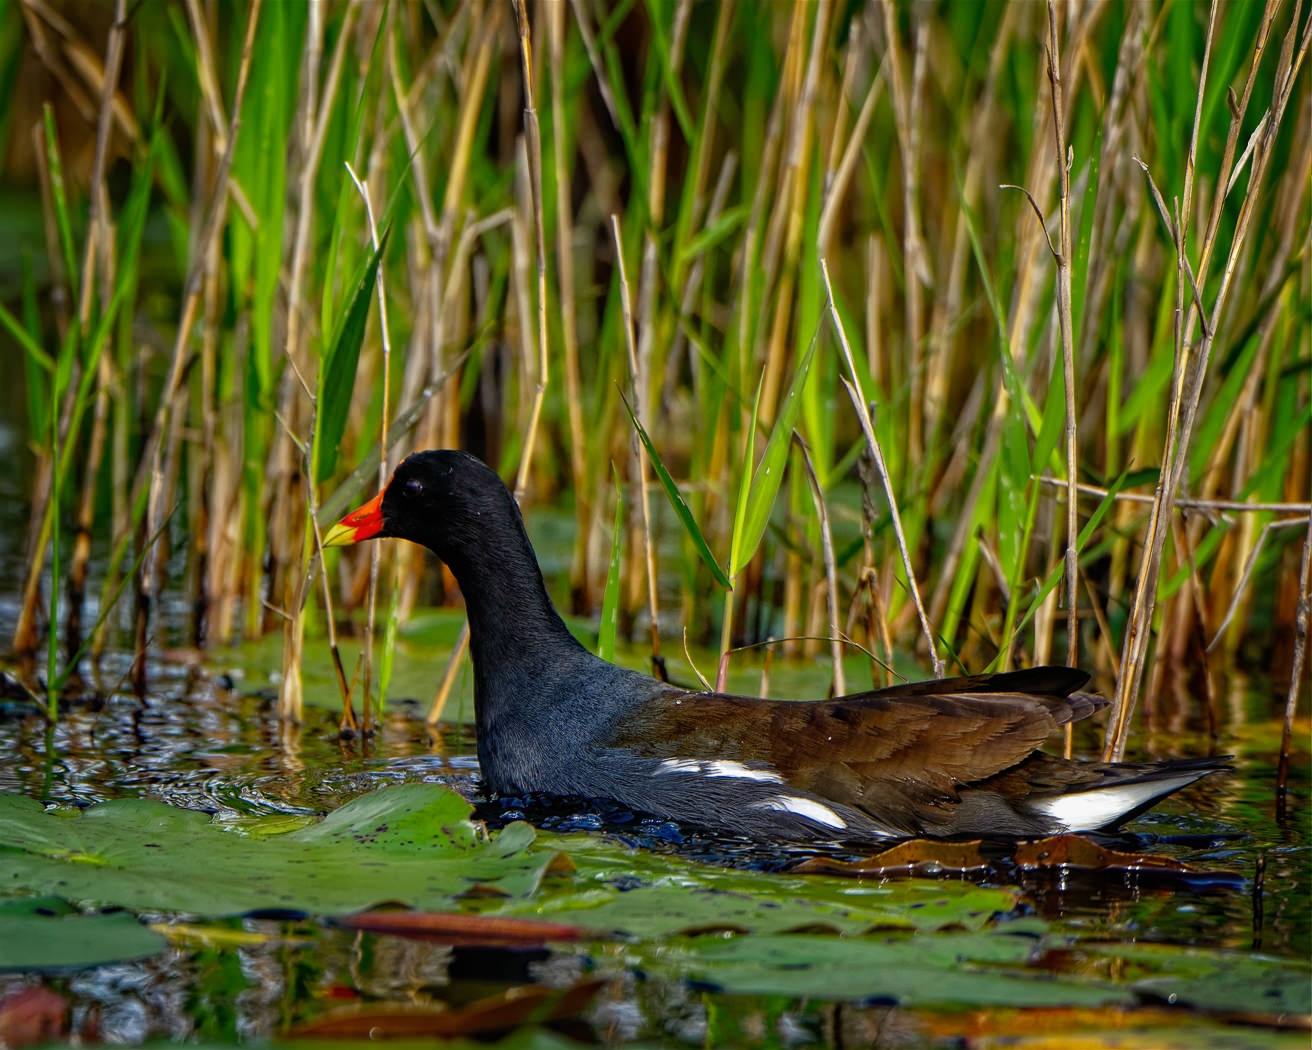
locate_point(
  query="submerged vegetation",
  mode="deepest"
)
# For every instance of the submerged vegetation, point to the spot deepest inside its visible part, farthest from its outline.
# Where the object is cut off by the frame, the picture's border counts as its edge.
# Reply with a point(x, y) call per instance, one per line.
point(1037, 279)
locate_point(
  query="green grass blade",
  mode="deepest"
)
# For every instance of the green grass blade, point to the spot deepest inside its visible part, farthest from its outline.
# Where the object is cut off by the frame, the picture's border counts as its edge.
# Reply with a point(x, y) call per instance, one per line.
point(679, 504)
point(745, 478)
point(63, 225)
point(35, 352)
point(770, 471)
point(337, 377)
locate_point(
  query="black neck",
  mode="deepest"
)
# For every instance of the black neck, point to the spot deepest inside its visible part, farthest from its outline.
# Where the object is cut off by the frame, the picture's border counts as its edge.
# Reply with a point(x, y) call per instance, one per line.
point(514, 629)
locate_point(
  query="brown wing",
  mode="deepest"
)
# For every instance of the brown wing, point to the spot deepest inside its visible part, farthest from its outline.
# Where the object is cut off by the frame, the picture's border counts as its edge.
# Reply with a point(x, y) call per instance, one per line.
point(897, 752)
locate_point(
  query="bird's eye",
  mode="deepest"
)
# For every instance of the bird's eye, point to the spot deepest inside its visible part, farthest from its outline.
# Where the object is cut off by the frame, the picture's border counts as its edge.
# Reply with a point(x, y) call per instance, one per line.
point(413, 487)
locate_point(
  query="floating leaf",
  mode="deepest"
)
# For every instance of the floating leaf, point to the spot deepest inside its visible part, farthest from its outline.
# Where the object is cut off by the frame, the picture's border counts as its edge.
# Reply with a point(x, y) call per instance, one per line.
point(39, 933)
point(412, 843)
point(991, 968)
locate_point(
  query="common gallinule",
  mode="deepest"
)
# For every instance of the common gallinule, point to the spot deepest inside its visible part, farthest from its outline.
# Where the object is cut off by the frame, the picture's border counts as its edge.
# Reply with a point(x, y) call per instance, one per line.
point(956, 757)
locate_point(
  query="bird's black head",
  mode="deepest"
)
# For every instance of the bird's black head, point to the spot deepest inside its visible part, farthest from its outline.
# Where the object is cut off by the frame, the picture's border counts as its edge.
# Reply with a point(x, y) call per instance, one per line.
point(444, 499)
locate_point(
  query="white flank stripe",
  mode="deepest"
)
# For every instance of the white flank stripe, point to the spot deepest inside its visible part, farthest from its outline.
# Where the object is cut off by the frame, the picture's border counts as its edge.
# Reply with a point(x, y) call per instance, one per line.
point(719, 768)
point(679, 765)
point(1091, 810)
point(738, 770)
point(803, 807)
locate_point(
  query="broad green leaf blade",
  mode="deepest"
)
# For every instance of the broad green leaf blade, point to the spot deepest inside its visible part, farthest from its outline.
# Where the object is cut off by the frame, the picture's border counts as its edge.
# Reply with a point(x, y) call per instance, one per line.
point(745, 480)
point(337, 377)
point(679, 504)
point(770, 471)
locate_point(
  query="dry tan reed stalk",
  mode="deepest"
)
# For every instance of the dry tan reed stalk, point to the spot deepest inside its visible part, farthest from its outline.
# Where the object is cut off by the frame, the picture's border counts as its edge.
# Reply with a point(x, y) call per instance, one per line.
point(448, 682)
point(649, 277)
point(367, 720)
point(311, 120)
point(839, 177)
point(41, 523)
point(97, 271)
point(907, 118)
point(647, 546)
point(1302, 636)
point(584, 522)
point(751, 254)
point(160, 449)
point(1241, 587)
point(1244, 438)
point(1189, 392)
point(1187, 503)
point(1066, 323)
point(34, 14)
point(794, 189)
point(860, 403)
point(693, 281)
point(427, 255)
point(835, 633)
point(533, 144)
point(1109, 228)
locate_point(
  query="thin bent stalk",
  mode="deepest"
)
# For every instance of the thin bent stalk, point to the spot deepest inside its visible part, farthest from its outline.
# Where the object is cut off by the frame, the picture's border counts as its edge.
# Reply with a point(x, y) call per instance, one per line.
point(872, 441)
point(831, 571)
point(644, 500)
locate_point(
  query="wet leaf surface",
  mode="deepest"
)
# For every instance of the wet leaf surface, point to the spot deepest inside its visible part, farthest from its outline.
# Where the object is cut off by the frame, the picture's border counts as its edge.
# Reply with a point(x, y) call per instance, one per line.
point(412, 844)
point(45, 932)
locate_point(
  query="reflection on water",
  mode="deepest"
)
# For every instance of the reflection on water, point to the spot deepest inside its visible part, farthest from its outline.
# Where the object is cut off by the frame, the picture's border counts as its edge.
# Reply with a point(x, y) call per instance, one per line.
point(204, 744)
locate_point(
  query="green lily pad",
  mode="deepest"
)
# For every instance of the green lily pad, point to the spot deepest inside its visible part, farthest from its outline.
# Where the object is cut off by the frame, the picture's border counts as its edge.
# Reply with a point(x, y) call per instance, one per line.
point(412, 844)
point(41, 933)
point(984, 969)
point(1211, 980)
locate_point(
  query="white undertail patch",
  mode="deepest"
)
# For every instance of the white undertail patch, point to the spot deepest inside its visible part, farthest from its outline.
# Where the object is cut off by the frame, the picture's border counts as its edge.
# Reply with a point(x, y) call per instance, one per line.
point(803, 807)
point(1091, 810)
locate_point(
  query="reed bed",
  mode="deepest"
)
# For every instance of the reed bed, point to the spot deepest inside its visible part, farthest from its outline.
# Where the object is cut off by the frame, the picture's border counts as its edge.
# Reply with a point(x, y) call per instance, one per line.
point(975, 335)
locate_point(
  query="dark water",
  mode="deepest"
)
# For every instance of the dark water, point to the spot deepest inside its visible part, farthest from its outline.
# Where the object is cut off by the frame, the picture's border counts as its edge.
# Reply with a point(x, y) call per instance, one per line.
point(203, 743)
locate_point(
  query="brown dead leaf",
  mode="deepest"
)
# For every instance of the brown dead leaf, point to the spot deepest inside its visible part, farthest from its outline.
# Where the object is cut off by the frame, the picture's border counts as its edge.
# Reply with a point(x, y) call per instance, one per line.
point(32, 1016)
point(1075, 851)
point(921, 857)
point(463, 929)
